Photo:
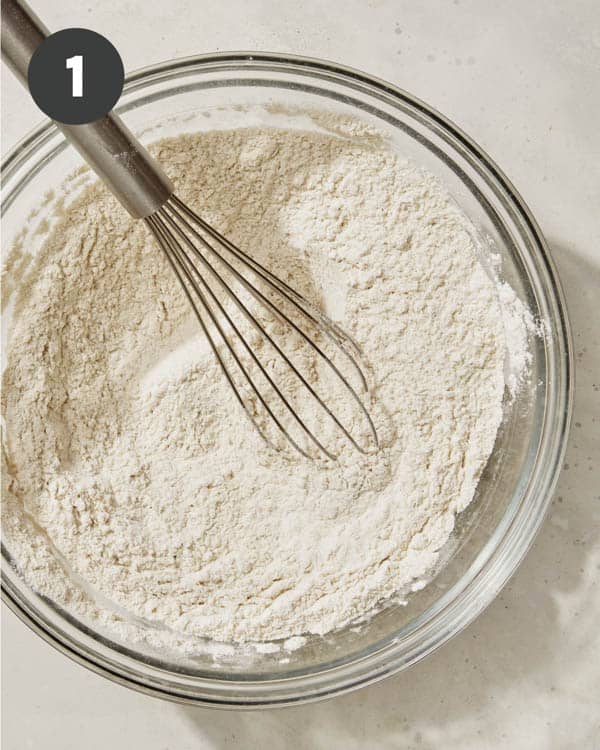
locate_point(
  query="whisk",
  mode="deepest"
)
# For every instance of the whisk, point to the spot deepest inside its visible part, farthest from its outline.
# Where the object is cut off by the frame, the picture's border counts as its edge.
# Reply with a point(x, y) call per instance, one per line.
point(234, 297)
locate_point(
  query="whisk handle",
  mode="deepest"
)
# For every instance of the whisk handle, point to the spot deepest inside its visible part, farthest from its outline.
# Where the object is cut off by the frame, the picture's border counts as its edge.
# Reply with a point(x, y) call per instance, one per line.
point(107, 144)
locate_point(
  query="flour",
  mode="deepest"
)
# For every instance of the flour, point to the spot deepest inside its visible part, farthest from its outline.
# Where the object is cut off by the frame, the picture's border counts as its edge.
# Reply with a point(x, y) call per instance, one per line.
point(126, 455)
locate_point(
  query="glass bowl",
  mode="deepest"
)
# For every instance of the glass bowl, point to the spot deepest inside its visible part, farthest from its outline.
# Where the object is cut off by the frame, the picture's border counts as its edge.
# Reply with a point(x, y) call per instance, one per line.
point(492, 535)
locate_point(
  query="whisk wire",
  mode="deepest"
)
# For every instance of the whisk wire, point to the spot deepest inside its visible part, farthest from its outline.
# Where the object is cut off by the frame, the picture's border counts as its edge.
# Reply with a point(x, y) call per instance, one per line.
point(269, 304)
point(172, 227)
point(169, 248)
point(163, 241)
point(333, 331)
point(269, 338)
point(189, 267)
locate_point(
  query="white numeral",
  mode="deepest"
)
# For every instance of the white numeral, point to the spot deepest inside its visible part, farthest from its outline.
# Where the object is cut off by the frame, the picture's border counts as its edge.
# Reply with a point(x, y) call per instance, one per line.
point(76, 65)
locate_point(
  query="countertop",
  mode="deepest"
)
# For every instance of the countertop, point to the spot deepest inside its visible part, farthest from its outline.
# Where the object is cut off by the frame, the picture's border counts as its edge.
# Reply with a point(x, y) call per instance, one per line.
point(522, 78)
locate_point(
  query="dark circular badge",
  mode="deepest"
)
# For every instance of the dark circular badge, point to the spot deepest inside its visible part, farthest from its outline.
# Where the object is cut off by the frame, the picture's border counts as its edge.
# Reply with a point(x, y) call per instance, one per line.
point(76, 76)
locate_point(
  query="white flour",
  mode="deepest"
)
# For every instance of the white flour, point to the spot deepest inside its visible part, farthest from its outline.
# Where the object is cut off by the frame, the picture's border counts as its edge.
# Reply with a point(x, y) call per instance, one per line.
point(127, 456)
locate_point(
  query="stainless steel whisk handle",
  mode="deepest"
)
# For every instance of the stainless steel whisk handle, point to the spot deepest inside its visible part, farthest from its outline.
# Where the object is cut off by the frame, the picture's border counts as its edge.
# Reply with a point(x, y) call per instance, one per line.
point(107, 145)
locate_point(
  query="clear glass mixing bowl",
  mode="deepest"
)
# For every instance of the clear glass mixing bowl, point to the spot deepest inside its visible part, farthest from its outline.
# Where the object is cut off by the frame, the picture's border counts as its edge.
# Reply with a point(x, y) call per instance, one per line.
point(492, 535)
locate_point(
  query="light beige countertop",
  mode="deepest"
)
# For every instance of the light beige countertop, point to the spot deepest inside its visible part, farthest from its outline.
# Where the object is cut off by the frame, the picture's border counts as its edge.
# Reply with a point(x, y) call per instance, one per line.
point(522, 78)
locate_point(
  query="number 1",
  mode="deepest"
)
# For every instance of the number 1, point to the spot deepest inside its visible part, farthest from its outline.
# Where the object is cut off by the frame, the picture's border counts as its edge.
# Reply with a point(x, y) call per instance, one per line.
point(76, 65)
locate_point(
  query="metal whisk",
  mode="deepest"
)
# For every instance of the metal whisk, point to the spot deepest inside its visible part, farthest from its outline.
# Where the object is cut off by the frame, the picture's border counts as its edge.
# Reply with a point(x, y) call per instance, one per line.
point(217, 277)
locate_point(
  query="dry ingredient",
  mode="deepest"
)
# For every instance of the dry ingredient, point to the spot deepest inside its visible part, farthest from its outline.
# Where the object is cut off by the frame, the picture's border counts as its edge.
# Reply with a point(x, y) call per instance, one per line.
point(134, 488)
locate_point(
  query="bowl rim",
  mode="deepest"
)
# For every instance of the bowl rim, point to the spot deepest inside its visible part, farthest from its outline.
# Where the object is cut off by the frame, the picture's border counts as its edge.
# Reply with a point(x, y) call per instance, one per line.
point(521, 527)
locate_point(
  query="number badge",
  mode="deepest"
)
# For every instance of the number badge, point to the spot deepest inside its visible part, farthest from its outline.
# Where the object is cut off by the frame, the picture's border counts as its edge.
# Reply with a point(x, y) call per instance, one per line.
point(76, 76)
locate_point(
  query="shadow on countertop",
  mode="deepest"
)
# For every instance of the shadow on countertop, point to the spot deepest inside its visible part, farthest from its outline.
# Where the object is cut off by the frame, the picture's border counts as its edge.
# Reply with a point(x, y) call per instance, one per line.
point(512, 673)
